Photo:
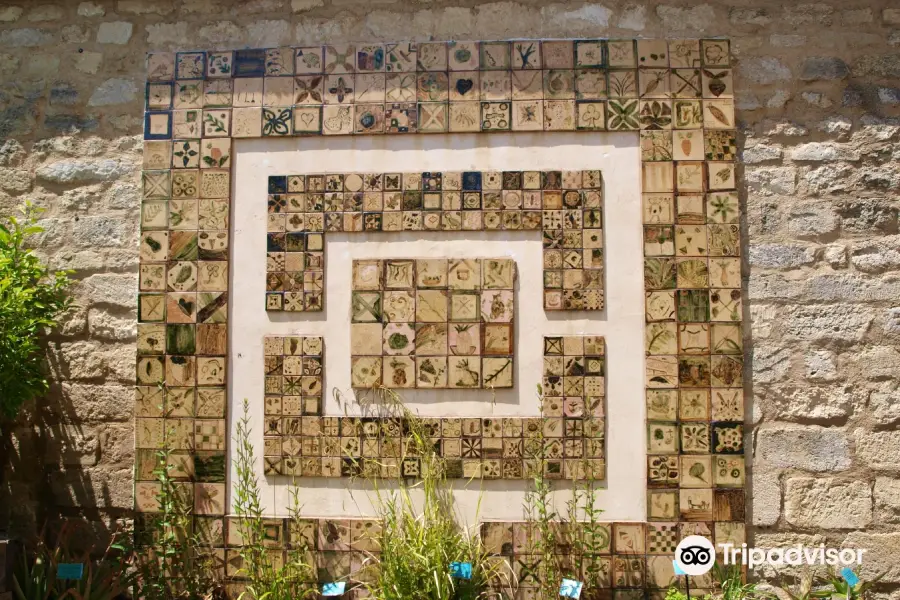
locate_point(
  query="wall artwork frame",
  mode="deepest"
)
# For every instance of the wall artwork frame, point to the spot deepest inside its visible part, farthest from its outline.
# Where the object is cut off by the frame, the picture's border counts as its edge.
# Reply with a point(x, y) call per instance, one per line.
point(676, 96)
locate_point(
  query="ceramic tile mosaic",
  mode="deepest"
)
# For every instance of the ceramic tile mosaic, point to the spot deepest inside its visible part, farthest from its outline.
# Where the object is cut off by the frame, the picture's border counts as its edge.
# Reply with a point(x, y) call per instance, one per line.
point(628, 557)
point(566, 207)
point(294, 373)
point(568, 439)
point(433, 323)
point(677, 96)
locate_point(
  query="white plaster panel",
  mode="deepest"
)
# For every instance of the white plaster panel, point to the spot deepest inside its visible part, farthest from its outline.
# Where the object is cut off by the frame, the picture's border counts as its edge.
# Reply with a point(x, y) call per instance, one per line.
point(622, 323)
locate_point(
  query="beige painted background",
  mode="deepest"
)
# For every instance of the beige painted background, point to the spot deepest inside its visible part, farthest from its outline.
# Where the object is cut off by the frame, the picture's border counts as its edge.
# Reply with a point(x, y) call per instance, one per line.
point(621, 323)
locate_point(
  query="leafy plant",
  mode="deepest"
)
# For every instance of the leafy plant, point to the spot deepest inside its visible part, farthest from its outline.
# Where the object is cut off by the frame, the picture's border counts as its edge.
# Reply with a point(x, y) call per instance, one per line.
point(172, 558)
point(568, 544)
point(267, 578)
point(731, 584)
point(419, 540)
point(842, 590)
point(31, 300)
point(104, 579)
point(674, 593)
point(804, 588)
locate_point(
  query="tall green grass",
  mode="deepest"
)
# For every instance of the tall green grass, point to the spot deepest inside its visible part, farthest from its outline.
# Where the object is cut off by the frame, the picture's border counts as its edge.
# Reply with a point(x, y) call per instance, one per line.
point(421, 533)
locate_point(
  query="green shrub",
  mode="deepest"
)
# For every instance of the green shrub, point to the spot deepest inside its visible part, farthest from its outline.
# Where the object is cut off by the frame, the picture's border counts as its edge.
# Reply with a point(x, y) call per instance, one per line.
point(31, 300)
point(267, 577)
point(105, 578)
point(173, 557)
point(420, 534)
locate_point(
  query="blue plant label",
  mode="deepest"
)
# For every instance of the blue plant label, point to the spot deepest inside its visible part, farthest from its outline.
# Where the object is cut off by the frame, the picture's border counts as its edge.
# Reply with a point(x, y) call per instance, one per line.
point(678, 571)
point(69, 571)
point(335, 588)
point(849, 576)
point(569, 588)
point(461, 570)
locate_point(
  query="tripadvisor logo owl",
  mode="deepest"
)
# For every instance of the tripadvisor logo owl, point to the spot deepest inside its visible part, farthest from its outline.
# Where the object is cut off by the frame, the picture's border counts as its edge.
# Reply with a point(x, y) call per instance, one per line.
point(695, 555)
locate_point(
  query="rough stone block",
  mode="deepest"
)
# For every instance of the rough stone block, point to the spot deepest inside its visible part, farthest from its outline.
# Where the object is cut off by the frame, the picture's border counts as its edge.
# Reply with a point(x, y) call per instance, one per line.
point(114, 32)
point(887, 500)
point(807, 448)
point(883, 556)
point(878, 450)
point(827, 503)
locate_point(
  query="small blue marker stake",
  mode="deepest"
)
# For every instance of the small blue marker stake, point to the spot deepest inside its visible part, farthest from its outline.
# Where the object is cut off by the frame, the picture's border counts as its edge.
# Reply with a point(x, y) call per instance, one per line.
point(461, 570)
point(69, 570)
point(678, 571)
point(849, 576)
point(569, 588)
point(333, 589)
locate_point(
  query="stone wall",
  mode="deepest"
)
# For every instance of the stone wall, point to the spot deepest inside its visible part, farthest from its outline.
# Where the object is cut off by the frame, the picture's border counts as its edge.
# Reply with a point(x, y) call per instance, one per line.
point(818, 107)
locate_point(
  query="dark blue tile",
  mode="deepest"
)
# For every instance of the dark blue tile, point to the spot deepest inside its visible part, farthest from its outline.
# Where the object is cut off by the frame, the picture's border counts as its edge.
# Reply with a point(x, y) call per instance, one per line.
point(471, 181)
point(275, 242)
point(249, 63)
point(278, 184)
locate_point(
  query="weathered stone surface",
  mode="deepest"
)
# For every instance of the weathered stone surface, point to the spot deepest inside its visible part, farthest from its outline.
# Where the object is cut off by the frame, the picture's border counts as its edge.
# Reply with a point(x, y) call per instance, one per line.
point(787, 40)
point(878, 449)
point(812, 220)
point(823, 67)
point(114, 32)
point(887, 499)
point(100, 232)
point(766, 498)
point(824, 323)
point(680, 19)
point(771, 180)
point(781, 256)
point(9, 14)
point(304, 5)
point(808, 448)
point(103, 325)
point(90, 9)
point(73, 445)
point(83, 171)
point(89, 402)
point(759, 152)
point(814, 13)
point(88, 62)
point(159, 34)
point(24, 38)
point(891, 16)
point(821, 366)
point(836, 255)
point(771, 363)
point(827, 503)
point(817, 151)
point(633, 17)
point(261, 33)
point(881, 558)
point(15, 180)
point(97, 486)
point(878, 255)
point(48, 12)
point(765, 70)
point(141, 7)
point(878, 65)
point(113, 91)
point(810, 403)
point(109, 288)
